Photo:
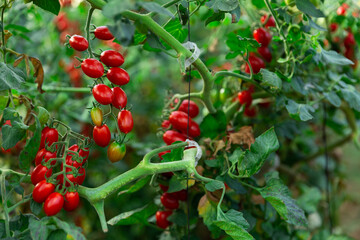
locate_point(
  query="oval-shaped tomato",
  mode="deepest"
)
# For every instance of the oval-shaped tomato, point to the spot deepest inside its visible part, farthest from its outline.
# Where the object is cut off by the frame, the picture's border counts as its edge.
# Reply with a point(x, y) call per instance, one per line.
point(341, 11)
point(168, 201)
point(265, 53)
point(43, 154)
point(39, 174)
point(42, 190)
point(179, 120)
point(112, 58)
point(333, 27)
point(180, 195)
point(190, 107)
point(163, 187)
point(262, 36)
point(92, 68)
point(103, 33)
point(194, 129)
point(161, 219)
point(269, 23)
point(224, 94)
point(72, 201)
point(250, 112)
point(53, 204)
point(102, 94)
point(172, 136)
point(102, 135)
point(349, 40)
point(116, 151)
point(79, 43)
point(165, 124)
point(245, 97)
point(48, 136)
point(96, 116)
point(118, 76)
point(125, 121)
point(256, 64)
point(119, 98)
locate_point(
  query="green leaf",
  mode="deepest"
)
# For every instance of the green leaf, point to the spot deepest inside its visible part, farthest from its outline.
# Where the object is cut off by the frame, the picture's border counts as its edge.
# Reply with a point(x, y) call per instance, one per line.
point(271, 80)
point(259, 151)
point(176, 184)
point(239, 45)
point(309, 199)
point(208, 211)
point(51, 6)
point(136, 216)
point(42, 114)
point(352, 97)
point(222, 5)
point(278, 195)
point(175, 155)
point(72, 230)
point(113, 8)
point(307, 7)
point(234, 224)
point(14, 133)
point(299, 111)
point(179, 218)
point(123, 31)
point(332, 57)
point(155, 7)
point(333, 98)
point(31, 148)
point(214, 185)
point(176, 30)
point(10, 77)
point(213, 124)
point(38, 229)
point(35, 207)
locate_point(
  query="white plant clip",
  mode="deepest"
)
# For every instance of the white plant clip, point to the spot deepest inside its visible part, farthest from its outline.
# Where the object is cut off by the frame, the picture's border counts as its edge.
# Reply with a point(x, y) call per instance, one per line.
point(196, 53)
point(198, 150)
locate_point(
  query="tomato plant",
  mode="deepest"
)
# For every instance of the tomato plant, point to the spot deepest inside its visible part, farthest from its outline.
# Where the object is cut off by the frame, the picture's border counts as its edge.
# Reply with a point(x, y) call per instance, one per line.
point(231, 127)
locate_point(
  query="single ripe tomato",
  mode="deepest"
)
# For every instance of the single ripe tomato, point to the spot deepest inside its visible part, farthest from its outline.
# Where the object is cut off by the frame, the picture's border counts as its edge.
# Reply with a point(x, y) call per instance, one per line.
point(341, 11)
point(72, 201)
point(190, 107)
point(103, 33)
point(168, 201)
point(180, 195)
point(102, 94)
point(172, 136)
point(333, 27)
point(161, 219)
point(179, 120)
point(53, 204)
point(96, 116)
point(163, 153)
point(265, 53)
point(250, 112)
point(79, 43)
point(349, 40)
point(102, 135)
point(119, 98)
point(262, 36)
point(125, 121)
point(46, 155)
point(165, 124)
point(163, 187)
point(269, 23)
point(245, 97)
point(118, 76)
point(112, 58)
point(92, 68)
point(194, 129)
point(256, 64)
point(42, 190)
point(48, 136)
point(39, 174)
point(350, 53)
point(116, 151)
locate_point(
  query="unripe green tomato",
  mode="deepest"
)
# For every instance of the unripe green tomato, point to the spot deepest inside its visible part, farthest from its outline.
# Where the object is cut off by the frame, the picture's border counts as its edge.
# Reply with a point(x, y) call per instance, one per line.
point(225, 93)
point(290, 3)
point(96, 116)
point(214, 95)
point(116, 151)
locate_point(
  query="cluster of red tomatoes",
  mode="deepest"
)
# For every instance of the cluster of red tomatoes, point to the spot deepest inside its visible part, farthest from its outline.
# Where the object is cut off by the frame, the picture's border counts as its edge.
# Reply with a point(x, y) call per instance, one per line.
point(349, 43)
point(103, 94)
point(262, 36)
point(245, 98)
point(52, 189)
point(178, 120)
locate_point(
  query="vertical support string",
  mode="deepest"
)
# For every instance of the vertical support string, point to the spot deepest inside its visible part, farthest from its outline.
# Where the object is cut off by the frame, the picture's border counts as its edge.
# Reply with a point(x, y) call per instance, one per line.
point(188, 127)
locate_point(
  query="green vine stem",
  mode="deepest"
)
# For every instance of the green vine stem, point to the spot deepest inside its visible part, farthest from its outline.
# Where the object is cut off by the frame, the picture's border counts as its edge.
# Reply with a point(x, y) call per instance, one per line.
point(6, 211)
point(87, 30)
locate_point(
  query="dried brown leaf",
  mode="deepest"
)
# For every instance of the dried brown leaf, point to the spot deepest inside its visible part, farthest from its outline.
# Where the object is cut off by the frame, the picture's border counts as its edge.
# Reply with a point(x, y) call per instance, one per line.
point(19, 60)
point(39, 73)
point(219, 145)
point(244, 136)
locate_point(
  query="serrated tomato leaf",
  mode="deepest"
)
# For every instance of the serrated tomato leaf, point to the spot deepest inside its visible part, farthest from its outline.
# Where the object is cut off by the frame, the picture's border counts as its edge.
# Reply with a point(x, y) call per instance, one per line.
point(14, 133)
point(213, 124)
point(10, 77)
point(50, 6)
